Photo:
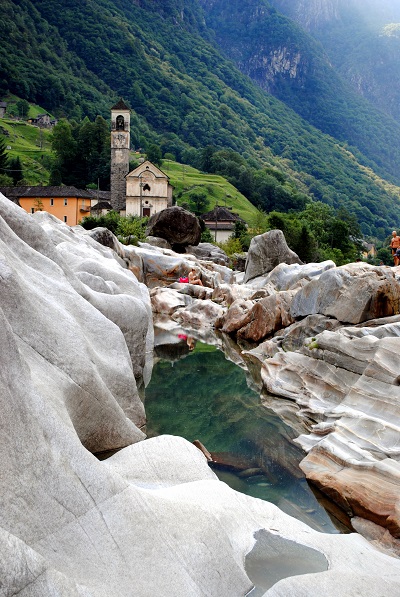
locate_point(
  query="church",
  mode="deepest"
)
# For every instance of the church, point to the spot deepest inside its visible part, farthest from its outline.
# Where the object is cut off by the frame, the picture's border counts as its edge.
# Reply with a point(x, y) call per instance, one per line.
point(144, 191)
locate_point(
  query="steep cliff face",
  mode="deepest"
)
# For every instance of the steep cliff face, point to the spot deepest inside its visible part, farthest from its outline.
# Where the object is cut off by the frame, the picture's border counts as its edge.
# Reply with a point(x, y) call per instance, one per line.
point(309, 13)
point(315, 14)
point(362, 40)
point(283, 59)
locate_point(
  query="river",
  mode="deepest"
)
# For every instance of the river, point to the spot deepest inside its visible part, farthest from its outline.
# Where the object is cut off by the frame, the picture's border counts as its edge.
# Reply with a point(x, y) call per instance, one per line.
point(197, 393)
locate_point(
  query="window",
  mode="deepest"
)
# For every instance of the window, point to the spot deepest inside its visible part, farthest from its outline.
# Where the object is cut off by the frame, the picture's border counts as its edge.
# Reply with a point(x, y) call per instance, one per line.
point(65, 201)
point(65, 219)
point(51, 201)
point(32, 210)
point(146, 187)
point(119, 123)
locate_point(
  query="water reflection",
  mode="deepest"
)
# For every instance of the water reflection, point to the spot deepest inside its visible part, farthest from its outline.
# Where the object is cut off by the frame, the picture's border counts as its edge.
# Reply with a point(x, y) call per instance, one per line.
point(195, 392)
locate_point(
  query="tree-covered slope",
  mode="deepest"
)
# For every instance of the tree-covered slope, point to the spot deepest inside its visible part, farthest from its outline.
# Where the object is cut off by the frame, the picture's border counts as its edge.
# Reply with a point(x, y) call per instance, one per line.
point(285, 60)
point(77, 58)
point(362, 40)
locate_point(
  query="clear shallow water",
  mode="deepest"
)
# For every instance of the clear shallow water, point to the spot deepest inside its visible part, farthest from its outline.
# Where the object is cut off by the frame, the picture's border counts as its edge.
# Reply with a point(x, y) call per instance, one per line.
point(205, 397)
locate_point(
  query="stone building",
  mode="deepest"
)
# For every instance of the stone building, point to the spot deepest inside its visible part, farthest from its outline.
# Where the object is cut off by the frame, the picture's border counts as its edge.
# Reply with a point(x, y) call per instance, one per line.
point(148, 190)
point(120, 147)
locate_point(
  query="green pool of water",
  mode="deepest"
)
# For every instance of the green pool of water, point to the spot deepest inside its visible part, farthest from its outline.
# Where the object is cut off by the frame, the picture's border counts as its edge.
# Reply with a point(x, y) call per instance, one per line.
point(205, 397)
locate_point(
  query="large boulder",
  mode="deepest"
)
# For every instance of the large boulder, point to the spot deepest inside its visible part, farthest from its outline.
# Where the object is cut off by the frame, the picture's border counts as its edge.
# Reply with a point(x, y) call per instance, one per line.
point(352, 294)
point(199, 314)
point(347, 392)
point(209, 252)
point(177, 226)
point(255, 320)
point(288, 277)
point(267, 316)
point(266, 252)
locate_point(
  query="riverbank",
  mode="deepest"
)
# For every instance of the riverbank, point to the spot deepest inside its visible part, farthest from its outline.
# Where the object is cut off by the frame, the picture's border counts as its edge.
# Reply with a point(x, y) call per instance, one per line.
point(76, 336)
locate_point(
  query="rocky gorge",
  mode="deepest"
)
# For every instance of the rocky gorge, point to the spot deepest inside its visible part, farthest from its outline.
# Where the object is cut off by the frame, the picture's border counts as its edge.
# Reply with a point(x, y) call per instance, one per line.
point(77, 312)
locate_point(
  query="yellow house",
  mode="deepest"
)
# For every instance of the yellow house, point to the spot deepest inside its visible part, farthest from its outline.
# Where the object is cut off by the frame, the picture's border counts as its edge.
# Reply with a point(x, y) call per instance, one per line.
point(68, 204)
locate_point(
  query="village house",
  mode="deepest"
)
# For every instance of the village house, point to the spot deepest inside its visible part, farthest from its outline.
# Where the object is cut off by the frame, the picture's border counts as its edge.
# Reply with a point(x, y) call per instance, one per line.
point(41, 120)
point(68, 204)
point(3, 109)
point(148, 190)
point(100, 196)
point(221, 222)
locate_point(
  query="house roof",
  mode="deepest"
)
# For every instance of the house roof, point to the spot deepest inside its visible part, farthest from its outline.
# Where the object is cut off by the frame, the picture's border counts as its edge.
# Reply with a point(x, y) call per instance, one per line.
point(41, 191)
point(120, 105)
point(219, 214)
point(103, 195)
point(101, 205)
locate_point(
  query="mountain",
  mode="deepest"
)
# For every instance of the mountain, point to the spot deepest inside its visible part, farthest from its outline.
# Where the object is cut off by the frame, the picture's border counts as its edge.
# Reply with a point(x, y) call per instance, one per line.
point(186, 92)
point(282, 58)
point(362, 41)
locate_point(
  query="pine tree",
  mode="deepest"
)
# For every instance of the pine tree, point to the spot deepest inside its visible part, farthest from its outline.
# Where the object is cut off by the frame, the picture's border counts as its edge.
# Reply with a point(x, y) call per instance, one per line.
point(15, 170)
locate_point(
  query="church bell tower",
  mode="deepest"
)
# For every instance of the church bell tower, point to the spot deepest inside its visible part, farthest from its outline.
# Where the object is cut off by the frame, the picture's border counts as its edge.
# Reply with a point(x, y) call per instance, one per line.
point(120, 145)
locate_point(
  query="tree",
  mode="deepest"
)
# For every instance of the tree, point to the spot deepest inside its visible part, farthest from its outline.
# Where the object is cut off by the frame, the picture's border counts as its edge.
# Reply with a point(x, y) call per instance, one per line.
point(23, 108)
point(38, 204)
point(15, 170)
point(154, 154)
point(3, 157)
point(197, 201)
point(82, 153)
point(65, 147)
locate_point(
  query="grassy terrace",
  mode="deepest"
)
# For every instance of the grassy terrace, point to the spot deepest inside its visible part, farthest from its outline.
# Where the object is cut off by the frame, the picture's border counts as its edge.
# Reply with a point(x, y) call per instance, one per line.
point(32, 145)
point(219, 191)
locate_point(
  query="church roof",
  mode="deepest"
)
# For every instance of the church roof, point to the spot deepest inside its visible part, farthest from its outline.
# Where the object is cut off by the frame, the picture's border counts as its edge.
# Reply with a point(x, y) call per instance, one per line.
point(120, 105)
point(149, 166)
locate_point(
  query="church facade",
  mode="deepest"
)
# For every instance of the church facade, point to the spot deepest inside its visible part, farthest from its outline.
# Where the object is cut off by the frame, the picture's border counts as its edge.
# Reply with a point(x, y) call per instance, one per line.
point(144, 191)
point(148, 191)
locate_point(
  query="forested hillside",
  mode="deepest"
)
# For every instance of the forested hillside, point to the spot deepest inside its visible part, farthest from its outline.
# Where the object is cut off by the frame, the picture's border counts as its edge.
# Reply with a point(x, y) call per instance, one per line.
point(286, 61)
point(76, 59)
point(362, 41)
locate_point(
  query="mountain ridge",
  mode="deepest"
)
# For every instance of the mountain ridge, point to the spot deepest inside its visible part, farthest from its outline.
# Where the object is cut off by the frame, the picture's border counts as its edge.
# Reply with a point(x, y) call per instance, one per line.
point(163, 59)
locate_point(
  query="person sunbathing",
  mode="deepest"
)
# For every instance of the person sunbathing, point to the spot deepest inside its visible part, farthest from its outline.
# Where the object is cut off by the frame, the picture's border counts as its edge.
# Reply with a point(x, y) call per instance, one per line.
point(194, 277)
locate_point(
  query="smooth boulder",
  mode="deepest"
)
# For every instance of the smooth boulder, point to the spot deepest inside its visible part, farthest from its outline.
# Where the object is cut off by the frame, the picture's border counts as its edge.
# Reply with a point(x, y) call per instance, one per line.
point(266, 251)
point(351, 293)
point(177, 226)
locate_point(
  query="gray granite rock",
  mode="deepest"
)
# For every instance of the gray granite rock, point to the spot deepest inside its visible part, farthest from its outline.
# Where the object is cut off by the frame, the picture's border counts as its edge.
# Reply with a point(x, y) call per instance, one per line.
point(352, 294)
point(209, 252)
point(266, 251)
point(153, 520)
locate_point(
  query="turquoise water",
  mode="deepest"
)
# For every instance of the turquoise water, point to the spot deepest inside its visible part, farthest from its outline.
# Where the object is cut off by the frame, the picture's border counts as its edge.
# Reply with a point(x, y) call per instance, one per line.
point(200, 395)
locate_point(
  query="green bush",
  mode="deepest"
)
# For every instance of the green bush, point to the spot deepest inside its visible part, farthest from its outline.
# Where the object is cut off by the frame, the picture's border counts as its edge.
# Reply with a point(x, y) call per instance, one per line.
point(128, 229)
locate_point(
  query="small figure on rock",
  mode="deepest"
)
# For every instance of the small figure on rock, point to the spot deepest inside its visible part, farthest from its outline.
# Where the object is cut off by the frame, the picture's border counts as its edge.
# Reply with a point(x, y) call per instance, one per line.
point(194, 277)
point(394, 245)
